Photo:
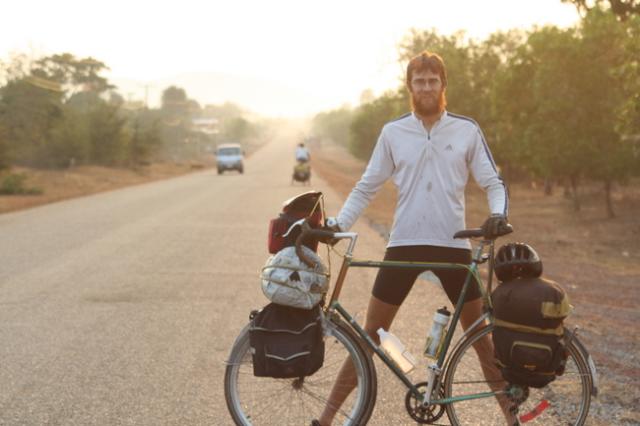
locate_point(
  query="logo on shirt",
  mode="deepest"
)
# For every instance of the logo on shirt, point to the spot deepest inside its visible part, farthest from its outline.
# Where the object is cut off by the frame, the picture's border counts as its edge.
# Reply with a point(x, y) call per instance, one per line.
point(449, 148)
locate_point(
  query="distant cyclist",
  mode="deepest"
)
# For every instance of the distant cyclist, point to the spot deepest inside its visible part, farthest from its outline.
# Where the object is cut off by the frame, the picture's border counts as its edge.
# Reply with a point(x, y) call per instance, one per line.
point(302, 153)
point(429, 154)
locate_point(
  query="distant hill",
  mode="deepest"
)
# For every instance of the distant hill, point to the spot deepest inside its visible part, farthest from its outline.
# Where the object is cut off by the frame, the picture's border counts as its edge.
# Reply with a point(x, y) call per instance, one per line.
point(262, 97)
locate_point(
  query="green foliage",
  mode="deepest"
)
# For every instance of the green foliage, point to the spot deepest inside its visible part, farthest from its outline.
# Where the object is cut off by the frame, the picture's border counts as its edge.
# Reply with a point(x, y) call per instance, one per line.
point(69, 140)
point(5, 153)
point(237, 129)
point(107, 138)
point(334, 125)
point(622, 9)
point(76, 74)
point(558, 104)
point(54, 114)
point(15, 184)
point(143, 130)
point(57, 111)
point(28, 113)
point(368, 121)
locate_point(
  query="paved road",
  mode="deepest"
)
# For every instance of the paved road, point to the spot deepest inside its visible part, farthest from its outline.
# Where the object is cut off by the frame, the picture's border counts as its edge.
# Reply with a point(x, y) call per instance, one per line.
point(120, 308)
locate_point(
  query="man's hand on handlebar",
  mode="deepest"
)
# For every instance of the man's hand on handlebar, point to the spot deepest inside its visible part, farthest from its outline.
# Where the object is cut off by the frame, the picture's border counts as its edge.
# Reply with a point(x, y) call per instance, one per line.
point(496, 225)
point(331, 224)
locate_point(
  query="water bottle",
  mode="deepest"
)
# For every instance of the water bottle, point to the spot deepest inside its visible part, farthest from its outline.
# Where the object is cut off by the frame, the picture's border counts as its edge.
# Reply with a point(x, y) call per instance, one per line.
point(438, 331)
point(393, 347)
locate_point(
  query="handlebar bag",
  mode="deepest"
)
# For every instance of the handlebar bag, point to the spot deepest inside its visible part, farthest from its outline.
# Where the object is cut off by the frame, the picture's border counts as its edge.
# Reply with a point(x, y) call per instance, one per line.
point(305, 205)
point(529, 333)
point(286, 342)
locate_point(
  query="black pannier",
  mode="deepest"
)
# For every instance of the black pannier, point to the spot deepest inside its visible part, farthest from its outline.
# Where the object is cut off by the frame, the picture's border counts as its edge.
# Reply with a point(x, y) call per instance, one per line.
point(286, 342)
point(529, 331)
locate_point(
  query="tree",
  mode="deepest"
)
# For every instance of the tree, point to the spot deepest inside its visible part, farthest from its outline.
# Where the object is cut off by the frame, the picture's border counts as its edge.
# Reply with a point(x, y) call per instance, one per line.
point(368, 121)
point(605, 40)
point(176, 122)
point(237, 129)
point(174, 100)
point(629, 75)
point(623, 9)
point(107, 135)
point(69, 142)
point(28, 112)
point(143, 129)
point(333, 125)
point(5, 154)
point(74, 74)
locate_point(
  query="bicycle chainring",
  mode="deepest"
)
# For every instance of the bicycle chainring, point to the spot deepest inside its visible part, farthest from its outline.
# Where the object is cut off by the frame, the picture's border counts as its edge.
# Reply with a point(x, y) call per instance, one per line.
point(418, 412)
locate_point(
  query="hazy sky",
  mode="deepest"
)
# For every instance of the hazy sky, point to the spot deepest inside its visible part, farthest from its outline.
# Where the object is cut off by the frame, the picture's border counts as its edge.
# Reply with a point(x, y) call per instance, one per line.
point(276, 57)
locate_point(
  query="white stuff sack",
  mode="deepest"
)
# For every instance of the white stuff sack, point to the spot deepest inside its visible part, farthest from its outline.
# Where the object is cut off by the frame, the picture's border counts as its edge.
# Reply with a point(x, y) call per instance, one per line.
point(287, 280)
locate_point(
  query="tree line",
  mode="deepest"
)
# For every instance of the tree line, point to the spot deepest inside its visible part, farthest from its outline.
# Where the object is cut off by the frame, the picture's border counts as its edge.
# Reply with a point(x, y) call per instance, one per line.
point(57, 111)
point(559, 105)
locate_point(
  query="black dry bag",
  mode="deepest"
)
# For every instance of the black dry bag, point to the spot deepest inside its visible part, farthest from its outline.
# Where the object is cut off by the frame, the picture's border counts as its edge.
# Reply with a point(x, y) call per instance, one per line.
point(529, 332)
point(286, 342)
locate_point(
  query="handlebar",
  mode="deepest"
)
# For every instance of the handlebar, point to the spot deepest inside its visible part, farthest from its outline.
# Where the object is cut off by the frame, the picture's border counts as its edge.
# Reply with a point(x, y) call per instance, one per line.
point(316, 234)
point(325, 235)
point(479, 233)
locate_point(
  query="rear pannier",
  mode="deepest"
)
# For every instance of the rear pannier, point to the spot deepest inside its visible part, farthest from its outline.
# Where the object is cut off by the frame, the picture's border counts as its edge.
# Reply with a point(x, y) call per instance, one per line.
point(529, 332)
point(286, 342)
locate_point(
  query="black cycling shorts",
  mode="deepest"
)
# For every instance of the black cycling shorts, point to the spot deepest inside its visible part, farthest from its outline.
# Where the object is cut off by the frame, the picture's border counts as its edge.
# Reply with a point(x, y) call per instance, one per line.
point(393, 284)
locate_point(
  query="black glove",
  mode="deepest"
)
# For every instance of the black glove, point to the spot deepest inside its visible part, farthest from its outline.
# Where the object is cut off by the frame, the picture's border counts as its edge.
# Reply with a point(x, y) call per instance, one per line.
point(495, 226)
point(331, 224)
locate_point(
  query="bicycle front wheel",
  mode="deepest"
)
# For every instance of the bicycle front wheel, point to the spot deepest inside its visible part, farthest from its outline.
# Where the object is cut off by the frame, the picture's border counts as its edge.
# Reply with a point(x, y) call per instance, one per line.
point(565, 401)
point(266, 401)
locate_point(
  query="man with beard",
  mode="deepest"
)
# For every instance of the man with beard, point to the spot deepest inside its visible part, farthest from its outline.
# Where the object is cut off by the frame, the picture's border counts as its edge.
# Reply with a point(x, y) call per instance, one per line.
point(428, 153)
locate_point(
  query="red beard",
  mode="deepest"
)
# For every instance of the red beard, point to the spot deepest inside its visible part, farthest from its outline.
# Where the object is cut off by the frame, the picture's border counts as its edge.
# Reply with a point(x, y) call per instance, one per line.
point(428, 104)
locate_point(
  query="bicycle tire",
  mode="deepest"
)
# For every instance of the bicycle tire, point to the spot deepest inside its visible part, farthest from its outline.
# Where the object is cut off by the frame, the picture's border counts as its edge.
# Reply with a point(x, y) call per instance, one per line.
point(267, 401)
point(564, 401)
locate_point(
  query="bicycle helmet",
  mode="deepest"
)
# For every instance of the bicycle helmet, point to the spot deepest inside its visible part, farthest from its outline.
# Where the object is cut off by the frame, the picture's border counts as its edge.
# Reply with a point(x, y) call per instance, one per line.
point(287, 280)
point(517, 260)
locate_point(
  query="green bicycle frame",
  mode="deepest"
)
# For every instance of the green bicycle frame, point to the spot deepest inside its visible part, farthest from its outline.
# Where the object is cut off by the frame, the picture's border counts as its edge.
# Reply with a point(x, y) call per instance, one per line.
point(472, 274)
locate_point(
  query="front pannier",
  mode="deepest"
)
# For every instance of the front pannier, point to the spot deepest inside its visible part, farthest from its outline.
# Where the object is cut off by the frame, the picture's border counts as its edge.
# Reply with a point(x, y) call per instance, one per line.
point(529, 331)
point(286, 342)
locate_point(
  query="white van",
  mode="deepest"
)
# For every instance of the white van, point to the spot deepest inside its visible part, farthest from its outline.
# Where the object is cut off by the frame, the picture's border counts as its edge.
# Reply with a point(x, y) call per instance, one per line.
point(230, 156)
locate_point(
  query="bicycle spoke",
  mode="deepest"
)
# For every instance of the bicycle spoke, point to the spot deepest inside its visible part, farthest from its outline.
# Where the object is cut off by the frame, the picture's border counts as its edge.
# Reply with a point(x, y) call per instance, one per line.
point(563, 401)
point(267, 401)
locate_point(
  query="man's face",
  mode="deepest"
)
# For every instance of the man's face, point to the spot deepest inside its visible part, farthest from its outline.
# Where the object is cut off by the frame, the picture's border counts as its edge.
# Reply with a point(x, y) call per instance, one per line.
point(427, 93)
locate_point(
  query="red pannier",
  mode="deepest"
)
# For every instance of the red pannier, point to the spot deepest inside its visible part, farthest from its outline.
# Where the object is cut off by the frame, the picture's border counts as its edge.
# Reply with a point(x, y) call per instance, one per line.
point(307, 205)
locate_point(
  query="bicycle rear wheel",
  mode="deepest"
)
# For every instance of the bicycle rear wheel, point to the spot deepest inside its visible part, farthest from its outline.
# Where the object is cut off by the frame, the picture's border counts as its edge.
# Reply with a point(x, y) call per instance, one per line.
point(565, 401)
point(266, 401)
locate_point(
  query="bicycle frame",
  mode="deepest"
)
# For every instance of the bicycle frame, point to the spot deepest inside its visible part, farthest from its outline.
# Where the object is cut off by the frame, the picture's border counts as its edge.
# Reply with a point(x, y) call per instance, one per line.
point(435, 369)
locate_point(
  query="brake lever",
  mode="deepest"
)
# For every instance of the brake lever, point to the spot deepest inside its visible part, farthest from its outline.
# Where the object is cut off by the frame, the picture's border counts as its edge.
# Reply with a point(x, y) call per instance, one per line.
point(301, 222)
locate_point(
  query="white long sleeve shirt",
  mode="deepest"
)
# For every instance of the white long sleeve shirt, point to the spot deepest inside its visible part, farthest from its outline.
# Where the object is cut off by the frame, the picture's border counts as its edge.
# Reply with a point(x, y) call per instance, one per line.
point(302, 154)
point(430, 170)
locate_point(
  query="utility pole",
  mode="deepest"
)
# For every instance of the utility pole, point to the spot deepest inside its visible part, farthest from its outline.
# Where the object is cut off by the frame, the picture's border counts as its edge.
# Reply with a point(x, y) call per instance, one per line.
point(146, 94)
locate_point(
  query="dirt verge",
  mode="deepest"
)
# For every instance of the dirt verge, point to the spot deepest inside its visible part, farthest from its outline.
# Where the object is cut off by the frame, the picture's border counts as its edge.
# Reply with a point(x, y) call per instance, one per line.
point(59, 185)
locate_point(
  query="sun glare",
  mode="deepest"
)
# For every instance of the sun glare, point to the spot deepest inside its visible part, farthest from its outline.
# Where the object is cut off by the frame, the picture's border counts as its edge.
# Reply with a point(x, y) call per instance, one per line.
point(318, 55)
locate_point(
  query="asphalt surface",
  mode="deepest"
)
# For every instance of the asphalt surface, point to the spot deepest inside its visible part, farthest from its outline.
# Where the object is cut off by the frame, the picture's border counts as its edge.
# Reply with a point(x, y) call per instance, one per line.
point(120, 308)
